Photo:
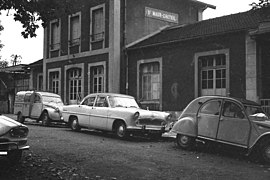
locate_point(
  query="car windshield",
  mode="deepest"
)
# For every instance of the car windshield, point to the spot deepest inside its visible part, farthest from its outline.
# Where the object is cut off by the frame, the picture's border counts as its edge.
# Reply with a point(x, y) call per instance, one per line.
point(256, 113)
point(50, 99)
point(122, 102)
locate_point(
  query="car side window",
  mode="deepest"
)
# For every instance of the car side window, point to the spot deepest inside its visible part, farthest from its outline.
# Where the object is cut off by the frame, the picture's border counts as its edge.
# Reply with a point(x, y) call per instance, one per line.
point(232, 110)
point(101, 102)
point(211, 107)
point(89, 101)
point(37, 99)
point(27, 97)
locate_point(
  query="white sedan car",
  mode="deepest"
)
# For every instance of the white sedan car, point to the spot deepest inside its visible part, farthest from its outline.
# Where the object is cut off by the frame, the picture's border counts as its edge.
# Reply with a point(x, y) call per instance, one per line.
point(116, 113)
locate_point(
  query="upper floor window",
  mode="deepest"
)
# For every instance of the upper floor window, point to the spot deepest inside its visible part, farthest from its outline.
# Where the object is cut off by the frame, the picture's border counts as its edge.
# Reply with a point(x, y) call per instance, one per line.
point(54, 38)
point(97, 25)
point(74, 33)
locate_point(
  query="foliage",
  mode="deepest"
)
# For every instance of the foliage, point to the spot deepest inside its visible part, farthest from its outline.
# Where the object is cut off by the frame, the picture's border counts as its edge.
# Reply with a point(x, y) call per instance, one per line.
point(3, 64)
point(29, 12)
point(261, 4)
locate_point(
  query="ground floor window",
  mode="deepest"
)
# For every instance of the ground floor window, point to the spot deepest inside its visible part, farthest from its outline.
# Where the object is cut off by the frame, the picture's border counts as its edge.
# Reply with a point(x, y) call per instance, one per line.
point(97, 79)
point(55, 82)
point(75, 84)
point(149, 83)
point(212, 72)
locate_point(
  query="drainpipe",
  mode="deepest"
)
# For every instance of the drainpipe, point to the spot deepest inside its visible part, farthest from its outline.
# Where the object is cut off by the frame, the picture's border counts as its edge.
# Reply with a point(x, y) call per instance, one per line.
point(125, 51)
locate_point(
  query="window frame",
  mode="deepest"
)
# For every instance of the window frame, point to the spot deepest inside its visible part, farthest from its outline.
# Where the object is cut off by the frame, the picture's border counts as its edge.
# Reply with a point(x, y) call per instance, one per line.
point(59, 80)
point(52, 47)
point(90, 84)
point(139, 85)
point(70, 45)
point(91, 33)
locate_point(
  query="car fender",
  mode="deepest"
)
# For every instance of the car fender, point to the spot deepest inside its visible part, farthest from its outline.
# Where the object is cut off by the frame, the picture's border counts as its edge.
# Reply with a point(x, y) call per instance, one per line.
point(186, 125)
point(259, 139)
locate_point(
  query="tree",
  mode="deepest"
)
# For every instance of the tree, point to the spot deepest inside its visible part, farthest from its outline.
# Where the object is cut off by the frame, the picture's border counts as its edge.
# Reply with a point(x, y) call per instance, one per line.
point(261, 4)
point(3, 64)
point(30, 12)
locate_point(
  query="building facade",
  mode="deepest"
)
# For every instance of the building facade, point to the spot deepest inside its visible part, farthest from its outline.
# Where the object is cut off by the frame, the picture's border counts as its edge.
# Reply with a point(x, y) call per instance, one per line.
point(84, 51)
point(226, 56)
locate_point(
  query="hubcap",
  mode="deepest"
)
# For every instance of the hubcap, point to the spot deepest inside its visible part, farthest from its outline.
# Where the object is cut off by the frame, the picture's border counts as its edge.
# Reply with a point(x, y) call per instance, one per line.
point(74, 124)
point(184, 139)
point(267, 152)
point(121, 131)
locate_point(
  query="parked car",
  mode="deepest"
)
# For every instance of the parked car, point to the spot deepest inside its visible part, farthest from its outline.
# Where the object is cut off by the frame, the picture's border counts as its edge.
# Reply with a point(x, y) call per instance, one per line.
point(116, 113)
point(13, 138)
point(42, 106)
point(232, 121)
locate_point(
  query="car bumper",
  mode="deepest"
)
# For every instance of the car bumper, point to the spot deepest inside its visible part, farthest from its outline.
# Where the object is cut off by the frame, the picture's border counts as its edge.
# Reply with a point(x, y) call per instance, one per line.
point(146, 129)
point(10, 146)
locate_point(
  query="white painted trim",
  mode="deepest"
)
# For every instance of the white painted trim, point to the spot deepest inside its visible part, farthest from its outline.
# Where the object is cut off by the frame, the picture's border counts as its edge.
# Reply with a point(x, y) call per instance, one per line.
point(90, 65)
point(67, 67)
point(144, 61)
point(54, 70)
point(196, 66)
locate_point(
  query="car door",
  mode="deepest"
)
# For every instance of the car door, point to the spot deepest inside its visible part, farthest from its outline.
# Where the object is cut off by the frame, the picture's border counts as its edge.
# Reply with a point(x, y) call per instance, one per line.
point(99, 116)
point(208, 118)
point(234, 126)
point(36, 106)
point(26, 105)
point(85, 109)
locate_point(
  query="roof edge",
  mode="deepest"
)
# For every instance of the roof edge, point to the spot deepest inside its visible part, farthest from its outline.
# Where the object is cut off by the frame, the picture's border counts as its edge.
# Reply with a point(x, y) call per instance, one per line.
point(146, 37)
point(207, 5)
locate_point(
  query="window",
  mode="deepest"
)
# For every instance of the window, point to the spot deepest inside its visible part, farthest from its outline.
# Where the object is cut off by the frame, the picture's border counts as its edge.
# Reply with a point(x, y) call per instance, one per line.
point(97, 76)
point(211, 108)
point(89, 101)
point(213, 74)
point(54, 82)
point(75, 85)
point(97, 26)
point(55, 38)
point(232, 110)
point(150, 81)
point(101, 102)
point(74, 33)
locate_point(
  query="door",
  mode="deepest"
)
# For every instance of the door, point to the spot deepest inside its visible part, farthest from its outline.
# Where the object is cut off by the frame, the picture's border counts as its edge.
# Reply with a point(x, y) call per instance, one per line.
point(208, 118)
point(99, 115)
point(36, 106)
point(234, 127)
point(85, 110)
point(26, 105)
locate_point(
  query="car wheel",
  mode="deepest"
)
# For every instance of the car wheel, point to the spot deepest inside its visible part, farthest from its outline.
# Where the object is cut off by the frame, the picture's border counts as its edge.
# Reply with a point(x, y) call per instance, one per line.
point(120, 130)
point(74, 124)
point(45, 119)
point(185, 142)
point(264, 151)
point(14, 156)
point(20, 117)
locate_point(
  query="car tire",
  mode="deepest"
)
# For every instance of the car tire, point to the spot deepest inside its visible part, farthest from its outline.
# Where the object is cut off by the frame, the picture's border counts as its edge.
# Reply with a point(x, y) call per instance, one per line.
point(14, 156)
point(120, 130)
point(264, 151)
point(185, 142)
point(20, 118)
point(74, 124)
point(45, 119)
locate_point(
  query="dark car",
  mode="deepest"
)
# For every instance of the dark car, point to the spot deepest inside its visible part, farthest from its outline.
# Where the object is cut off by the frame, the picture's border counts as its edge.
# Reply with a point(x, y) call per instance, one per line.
point(231, 121)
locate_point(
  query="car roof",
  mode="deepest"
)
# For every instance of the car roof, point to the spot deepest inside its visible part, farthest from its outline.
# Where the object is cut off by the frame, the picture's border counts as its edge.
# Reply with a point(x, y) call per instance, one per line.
point(41, 93)
point(110, 94)
point(240, 100)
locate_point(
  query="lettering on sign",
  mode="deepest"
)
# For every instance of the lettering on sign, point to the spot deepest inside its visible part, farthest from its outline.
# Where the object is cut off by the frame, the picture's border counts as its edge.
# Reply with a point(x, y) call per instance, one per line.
point(162, 15)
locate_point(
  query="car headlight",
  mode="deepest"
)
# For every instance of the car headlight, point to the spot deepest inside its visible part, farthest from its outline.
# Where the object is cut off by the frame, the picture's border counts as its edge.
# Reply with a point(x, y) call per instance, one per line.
point(19, 132)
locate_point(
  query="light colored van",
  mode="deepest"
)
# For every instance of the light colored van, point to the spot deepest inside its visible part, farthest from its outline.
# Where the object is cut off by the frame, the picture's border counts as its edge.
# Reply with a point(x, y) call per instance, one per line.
point(42, 106)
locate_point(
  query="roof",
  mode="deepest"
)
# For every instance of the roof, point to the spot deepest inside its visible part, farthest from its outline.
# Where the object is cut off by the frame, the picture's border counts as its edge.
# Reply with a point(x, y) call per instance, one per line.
point(37, 63)
point(111, 94)
point(15, 69)
point(244, 21)
point(205, 4)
